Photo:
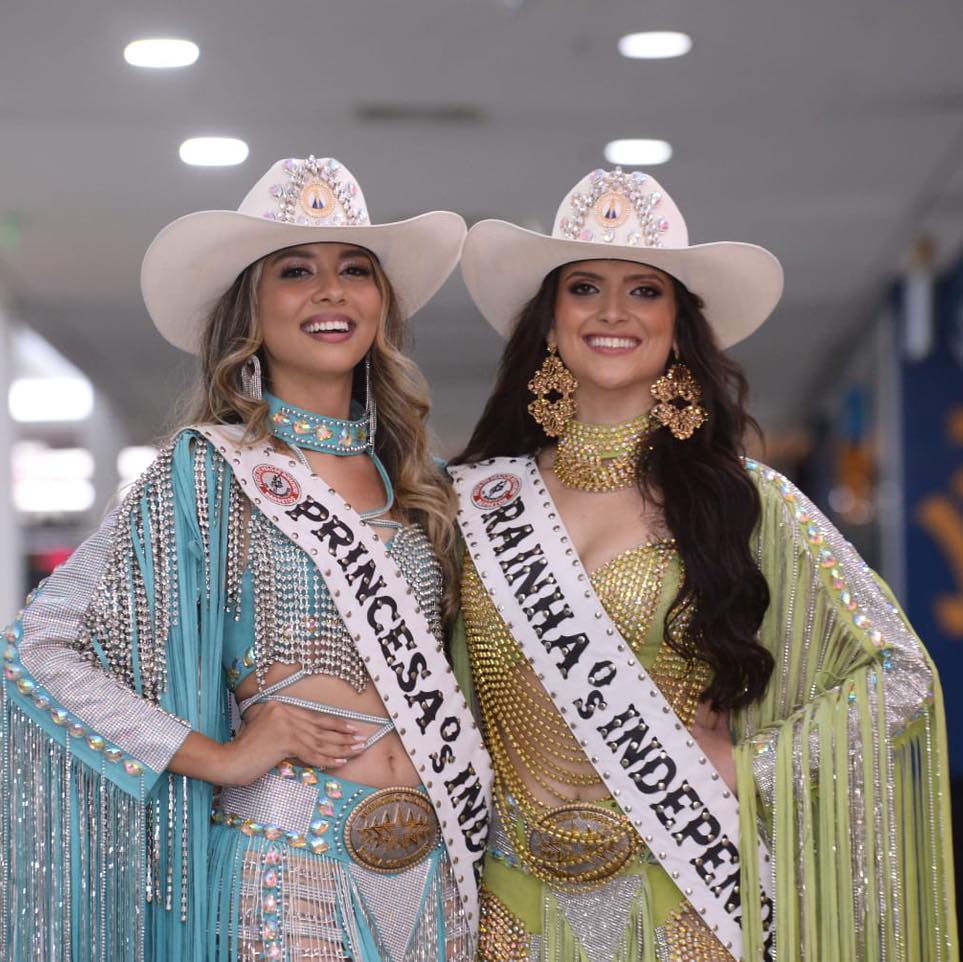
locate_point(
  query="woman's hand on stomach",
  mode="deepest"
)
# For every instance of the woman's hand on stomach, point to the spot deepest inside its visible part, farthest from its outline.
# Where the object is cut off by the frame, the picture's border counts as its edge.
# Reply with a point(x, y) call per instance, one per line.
point(277, 732)
point(273, 731)
point(384, 763)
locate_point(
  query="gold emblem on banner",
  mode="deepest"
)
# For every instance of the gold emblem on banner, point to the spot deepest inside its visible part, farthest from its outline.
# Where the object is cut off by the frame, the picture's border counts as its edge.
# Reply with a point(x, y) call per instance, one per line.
point(391, 830)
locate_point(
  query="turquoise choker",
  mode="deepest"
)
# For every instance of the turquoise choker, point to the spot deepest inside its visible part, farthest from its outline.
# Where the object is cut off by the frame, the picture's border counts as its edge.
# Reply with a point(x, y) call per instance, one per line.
point(304, 429)
point(316, 432)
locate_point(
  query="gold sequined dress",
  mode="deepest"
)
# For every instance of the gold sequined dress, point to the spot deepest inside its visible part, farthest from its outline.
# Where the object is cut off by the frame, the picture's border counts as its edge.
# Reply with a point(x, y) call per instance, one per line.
point(839, 643)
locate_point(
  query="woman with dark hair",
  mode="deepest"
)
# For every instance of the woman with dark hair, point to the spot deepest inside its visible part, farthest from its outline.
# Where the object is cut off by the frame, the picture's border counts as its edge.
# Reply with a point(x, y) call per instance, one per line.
point(714, 734)
point(288, 556)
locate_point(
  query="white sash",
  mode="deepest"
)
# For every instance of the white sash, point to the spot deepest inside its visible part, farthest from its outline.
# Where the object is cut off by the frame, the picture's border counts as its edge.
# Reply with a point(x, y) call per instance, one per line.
point(405, 662)
point(669, 791)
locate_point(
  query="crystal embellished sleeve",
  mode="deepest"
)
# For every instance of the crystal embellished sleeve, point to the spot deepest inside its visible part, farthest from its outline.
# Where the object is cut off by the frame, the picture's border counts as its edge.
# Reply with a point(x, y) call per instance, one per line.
point(842, 762)
point(87, 659)
point(116, 658)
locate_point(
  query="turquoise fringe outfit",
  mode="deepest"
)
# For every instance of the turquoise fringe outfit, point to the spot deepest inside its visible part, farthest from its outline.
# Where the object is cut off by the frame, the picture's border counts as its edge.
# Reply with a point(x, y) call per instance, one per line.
point(105, 855)
point(265, 913)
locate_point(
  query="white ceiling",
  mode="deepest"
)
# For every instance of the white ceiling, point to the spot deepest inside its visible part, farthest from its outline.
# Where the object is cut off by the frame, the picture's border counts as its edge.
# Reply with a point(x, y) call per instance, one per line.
point(830, 132)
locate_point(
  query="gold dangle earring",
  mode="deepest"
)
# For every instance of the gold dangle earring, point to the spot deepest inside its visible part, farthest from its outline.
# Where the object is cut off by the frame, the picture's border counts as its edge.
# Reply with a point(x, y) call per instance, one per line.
point(678, 396)
point(553, 377)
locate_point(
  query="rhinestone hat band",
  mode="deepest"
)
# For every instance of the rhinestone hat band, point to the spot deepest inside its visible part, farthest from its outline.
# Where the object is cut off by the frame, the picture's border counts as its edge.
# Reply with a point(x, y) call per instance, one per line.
point(318, 193)
point(614, 208)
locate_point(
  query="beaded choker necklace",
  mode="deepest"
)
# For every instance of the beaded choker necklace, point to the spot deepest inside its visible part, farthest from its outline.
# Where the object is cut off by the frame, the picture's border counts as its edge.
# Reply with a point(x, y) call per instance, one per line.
point(316, 432)
point(600, 457)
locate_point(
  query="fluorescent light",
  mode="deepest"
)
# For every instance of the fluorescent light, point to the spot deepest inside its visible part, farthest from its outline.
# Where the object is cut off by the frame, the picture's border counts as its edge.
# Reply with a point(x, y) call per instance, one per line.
point(35, 357)
point(213, 151)
point(655, 45)
point(51, 480)
point(161, 52)
point(50, 399)
point(53, 497)
point(132, 462)
point(38, 462)
point(637, 153)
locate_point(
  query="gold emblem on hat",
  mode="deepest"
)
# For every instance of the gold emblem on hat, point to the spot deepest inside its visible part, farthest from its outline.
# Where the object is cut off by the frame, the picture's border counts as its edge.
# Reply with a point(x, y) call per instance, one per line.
point(317, 201)
point(612, 209)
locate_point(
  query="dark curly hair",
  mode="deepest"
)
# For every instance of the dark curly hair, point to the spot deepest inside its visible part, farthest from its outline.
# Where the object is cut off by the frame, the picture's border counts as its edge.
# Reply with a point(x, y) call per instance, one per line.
point(709, 502)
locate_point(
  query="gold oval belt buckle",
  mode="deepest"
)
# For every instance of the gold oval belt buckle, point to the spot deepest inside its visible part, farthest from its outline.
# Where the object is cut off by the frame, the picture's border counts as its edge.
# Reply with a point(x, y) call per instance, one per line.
point(582, 844)
point(391, 830)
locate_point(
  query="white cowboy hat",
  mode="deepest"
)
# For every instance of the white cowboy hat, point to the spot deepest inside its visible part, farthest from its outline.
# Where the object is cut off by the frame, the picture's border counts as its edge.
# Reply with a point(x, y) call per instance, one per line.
point(620, 216)
point(195, 259)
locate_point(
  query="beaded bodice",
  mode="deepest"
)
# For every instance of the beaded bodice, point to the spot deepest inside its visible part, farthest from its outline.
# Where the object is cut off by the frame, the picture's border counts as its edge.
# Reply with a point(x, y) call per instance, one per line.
point(528, 739)
point(280, 609)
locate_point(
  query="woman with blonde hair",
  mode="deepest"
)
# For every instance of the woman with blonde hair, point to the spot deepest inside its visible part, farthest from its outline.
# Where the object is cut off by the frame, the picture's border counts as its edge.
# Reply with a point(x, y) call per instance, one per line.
point(714, 735)
point(288, 556)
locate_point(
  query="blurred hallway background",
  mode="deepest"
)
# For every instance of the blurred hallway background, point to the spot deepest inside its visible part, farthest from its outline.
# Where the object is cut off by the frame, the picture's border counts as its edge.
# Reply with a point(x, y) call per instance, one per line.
point(831, 133)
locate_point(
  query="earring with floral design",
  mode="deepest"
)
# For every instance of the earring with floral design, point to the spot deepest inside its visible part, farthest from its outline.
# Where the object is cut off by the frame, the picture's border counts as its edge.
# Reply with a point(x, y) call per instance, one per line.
point(678, 398)
point(553, 378)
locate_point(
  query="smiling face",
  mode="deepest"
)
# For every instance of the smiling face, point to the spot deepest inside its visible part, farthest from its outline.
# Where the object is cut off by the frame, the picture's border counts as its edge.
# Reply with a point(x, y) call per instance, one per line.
point(614, 326)
point(319, 306)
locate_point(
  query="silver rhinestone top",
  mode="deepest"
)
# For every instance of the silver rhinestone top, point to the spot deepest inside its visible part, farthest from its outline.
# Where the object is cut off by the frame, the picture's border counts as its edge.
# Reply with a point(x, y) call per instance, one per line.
point(281, 611)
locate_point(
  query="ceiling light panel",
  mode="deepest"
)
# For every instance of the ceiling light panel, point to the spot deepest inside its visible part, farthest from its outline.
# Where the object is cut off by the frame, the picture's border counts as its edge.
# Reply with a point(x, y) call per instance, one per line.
point(161, 53)
point(213, 151)
point(638, 152)
point(655, 45)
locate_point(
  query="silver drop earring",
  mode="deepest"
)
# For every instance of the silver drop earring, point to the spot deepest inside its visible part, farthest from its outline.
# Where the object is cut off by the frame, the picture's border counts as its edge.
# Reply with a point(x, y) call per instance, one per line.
point(251, 378)
point(369, 403)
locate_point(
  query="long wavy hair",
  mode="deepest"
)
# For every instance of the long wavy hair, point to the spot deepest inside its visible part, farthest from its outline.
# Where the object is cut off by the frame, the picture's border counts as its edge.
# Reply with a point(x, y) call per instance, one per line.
point(232, 335)
point(709, 503)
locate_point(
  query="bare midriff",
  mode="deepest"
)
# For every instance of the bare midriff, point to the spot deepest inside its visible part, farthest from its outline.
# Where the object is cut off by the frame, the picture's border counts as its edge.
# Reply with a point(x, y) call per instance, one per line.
point(384, 763)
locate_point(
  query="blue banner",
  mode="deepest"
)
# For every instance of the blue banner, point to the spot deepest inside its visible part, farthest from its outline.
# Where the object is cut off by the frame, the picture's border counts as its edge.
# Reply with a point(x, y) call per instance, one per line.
point(932, 407)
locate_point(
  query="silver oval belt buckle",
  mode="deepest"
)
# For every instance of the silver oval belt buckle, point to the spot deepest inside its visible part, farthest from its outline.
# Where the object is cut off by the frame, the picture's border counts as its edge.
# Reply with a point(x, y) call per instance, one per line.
point(391, 830)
